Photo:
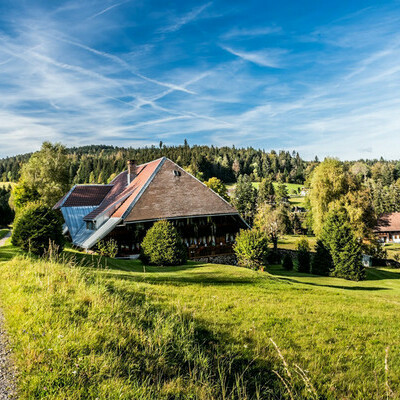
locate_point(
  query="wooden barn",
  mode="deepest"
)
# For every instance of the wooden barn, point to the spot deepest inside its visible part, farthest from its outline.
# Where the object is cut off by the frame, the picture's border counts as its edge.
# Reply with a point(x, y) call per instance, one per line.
point(128, 206)
point(388, 227)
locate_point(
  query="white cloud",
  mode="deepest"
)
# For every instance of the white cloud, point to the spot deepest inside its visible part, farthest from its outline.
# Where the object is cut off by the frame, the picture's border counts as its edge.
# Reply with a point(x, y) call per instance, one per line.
point(108, 9)
point(265, 58)
point(251, 32)
point(179, 22)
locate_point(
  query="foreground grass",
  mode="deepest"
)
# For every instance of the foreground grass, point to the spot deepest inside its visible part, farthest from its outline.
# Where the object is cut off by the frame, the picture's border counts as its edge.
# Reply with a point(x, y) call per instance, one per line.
point(122, 330)
point(83, 333)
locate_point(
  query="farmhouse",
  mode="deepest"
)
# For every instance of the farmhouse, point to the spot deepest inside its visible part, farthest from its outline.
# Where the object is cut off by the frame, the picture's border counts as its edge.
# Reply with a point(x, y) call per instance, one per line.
point(127, 207)
point(388, 227)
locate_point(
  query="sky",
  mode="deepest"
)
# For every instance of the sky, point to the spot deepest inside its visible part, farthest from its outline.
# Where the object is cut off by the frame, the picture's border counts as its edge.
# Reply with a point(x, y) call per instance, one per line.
point(318, 77)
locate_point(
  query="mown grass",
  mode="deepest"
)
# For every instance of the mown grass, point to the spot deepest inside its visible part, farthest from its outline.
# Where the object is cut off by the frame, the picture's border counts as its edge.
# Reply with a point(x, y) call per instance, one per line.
point(393, 249)
point(293, 199)
point(290, 241)
point(117, 329)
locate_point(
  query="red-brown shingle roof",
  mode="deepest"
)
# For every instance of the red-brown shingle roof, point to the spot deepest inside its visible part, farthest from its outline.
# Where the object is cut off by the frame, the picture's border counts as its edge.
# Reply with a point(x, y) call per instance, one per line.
point(121, 193)
point(389, 223)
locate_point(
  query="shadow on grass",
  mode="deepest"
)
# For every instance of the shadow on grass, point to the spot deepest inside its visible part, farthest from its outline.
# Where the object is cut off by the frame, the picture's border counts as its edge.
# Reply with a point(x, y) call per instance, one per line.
point(365, 288)
point(372, 274)
point(8, 252)
point(206, 279)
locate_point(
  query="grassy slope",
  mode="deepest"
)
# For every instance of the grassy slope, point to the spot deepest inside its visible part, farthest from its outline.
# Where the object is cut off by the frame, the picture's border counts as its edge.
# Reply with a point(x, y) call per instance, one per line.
point(392, 249)
point(337, 330)
point(290, 241)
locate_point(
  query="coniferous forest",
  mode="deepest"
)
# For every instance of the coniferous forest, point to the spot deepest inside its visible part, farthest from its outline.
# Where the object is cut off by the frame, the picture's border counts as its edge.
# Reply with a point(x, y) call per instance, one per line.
point(99, 164)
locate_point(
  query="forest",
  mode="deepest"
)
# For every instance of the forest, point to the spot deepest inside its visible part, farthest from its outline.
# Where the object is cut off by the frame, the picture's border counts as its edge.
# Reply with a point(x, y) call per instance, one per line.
point(100, 164)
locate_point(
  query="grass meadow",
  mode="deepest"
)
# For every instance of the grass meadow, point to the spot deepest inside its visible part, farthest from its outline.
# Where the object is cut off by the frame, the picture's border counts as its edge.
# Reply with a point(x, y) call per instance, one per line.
point(85, 327)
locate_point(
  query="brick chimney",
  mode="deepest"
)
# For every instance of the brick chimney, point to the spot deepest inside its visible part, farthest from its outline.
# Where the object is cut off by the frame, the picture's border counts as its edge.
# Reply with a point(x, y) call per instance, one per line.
point(131, 171)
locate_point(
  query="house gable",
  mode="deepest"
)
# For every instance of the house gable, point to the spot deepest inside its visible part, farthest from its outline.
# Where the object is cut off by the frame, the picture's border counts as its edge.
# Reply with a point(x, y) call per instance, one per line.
point(174, 193)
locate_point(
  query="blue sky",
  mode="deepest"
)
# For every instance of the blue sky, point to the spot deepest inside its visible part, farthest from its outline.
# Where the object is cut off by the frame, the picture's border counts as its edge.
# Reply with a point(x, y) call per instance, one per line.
point(319, 77)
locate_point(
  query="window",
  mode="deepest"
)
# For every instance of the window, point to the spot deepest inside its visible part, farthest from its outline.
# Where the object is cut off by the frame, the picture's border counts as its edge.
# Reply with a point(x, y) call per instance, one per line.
point(177, 173)
point(90, 225)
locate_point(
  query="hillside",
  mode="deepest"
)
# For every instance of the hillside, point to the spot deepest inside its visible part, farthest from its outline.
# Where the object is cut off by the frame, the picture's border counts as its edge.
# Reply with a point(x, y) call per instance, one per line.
point(115, 328)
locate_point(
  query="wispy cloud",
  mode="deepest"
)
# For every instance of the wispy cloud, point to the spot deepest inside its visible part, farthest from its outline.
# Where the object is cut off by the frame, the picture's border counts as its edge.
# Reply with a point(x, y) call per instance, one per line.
point(108, 9)
point(116, 80)
point(265, 58)
point(251, 32)
point(179, 22)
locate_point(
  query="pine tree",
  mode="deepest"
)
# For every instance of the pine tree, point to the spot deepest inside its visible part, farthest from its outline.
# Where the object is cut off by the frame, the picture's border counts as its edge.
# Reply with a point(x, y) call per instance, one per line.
point(321, 263)
point(287, 263)
point(343, 245)
point(266, 192)
point(303, 256)
point(244, 198)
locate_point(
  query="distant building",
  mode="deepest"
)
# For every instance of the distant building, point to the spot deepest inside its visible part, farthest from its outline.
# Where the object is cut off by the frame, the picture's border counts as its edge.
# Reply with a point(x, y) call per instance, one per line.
point(388, 227)
point(127, 207)
point(304, 191)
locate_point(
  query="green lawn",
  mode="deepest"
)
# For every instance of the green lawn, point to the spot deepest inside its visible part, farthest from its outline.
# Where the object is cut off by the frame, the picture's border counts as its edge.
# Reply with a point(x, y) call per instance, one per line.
point(290, 241)
point(290, 186)
point(294, 200)
point(392, 249)
point(121, 330)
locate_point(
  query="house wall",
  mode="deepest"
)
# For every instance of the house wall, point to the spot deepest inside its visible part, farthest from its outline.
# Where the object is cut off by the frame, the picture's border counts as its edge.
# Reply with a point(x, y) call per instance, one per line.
point(392, 237)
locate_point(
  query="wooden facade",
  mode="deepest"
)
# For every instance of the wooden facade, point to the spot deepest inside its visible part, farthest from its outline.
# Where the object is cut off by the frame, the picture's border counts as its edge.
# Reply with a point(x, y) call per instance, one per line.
point(203, 236)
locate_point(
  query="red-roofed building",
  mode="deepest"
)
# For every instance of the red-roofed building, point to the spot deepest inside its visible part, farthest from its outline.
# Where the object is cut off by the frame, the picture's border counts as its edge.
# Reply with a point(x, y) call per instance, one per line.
point(388, 227)
point(127, 207)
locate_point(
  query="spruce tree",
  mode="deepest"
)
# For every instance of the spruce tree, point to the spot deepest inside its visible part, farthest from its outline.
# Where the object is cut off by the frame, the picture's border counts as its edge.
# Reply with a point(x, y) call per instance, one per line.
point(343, 245)
point(303, 256)
point(321, 263)
point(287, 263)
point(266, 192)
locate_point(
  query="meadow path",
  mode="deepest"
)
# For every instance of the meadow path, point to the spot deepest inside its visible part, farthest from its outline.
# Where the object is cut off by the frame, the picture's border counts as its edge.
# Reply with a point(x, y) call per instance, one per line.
point(7, 374)
point(3, 241)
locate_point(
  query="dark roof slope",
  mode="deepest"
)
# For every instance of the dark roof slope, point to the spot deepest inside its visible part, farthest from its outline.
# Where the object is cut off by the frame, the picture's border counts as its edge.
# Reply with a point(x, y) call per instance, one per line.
point(389, 223)
point(84, 195)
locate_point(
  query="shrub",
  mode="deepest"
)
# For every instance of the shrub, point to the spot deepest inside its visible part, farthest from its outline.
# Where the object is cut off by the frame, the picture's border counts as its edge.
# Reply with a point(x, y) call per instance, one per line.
point(321, 263)
point(6, 213)
point(287, 263)
point(162, 245)
point(303, 256)
point(218, 187)
point(36, 228)
point(251, 248)
point(108, 248)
